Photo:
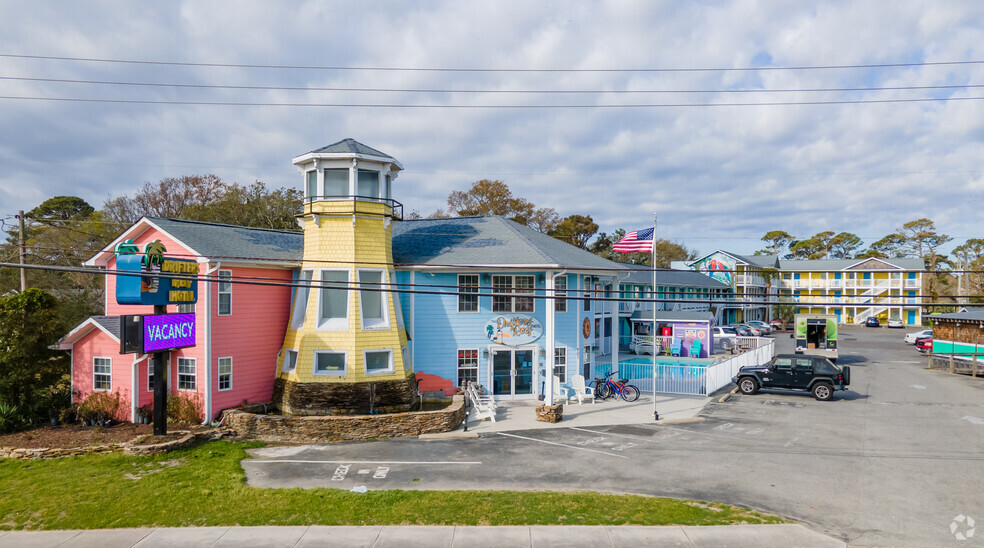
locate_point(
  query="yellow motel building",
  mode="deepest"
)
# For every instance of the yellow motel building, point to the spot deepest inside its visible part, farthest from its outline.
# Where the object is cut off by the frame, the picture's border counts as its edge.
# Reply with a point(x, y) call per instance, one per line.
point(850, 289)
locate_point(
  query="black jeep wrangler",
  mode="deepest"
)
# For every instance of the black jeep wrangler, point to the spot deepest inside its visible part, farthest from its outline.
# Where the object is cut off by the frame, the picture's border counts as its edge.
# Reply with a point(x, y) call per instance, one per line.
point(798, 372)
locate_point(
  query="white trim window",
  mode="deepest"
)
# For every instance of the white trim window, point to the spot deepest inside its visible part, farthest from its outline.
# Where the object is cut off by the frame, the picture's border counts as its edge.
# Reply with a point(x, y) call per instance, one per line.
point(312, 185)
point(225, 374)
point(102, 373)
point(150, 373)
point(397, 307)
point(378, 361)
point(560, 363)
point(467, 365)
point(468, 292)
point(333, 300)
point(512, 293)
point(372, 299)
point(187, 374)
point(301, 294)
point(330, 363)
point(290, 360)
point(560, 294)
point(225, 293)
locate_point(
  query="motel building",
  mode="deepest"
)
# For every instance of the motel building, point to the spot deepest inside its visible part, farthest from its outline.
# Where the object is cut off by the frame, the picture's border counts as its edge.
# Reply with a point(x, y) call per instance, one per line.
point(853, 290)
point(362, 309)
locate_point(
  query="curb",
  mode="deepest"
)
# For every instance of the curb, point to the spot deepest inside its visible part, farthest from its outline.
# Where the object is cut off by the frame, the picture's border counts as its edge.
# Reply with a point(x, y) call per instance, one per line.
point(727, 396)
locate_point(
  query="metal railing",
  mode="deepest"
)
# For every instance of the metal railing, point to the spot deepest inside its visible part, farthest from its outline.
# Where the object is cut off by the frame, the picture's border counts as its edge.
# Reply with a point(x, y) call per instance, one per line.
point(394, 205)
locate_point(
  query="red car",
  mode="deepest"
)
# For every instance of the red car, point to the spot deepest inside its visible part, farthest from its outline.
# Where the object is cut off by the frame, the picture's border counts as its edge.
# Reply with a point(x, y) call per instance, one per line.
point(924, 344)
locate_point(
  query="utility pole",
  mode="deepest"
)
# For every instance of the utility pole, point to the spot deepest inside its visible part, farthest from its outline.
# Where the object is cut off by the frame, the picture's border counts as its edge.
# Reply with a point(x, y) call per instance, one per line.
point(23, 250)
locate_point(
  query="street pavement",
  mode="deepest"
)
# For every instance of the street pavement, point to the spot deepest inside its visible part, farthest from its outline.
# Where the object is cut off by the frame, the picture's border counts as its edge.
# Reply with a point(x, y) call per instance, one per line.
point(894, 461)
point(739, 536)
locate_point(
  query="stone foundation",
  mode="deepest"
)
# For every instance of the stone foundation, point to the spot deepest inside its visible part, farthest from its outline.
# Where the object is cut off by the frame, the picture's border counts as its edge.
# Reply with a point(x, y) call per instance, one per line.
point(322, 429)
point(550, 413)
point(345, 398)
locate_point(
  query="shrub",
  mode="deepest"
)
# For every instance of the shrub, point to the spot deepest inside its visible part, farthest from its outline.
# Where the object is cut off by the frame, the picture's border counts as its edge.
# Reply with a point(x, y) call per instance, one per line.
point(186, 409)
point(101, 406)
point(11, 418)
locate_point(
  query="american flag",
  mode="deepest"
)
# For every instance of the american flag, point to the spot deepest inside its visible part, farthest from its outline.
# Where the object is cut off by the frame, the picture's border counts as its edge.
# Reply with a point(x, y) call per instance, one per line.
point(635, 241)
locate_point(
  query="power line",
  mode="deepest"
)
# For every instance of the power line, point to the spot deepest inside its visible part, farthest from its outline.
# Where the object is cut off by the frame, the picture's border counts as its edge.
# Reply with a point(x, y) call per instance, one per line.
point(491, 70)
point(489, 91)
point(487, 106)
point(362, 286)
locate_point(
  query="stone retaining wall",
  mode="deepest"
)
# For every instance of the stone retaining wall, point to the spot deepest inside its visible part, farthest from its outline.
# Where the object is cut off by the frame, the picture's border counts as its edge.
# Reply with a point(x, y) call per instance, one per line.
point(345, 398)
point(129, 447)
point(321, 429)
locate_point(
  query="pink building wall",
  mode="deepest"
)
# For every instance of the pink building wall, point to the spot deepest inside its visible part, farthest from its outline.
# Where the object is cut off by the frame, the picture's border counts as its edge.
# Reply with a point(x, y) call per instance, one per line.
point(252, 336)
point(95, 344)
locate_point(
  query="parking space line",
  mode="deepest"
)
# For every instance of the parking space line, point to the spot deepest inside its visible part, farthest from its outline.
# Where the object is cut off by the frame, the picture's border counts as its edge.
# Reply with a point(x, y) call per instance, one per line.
point(296, 461)
point(563, 445)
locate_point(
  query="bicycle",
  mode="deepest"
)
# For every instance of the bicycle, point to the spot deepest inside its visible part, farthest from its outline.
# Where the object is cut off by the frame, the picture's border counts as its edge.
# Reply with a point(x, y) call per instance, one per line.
point(605, 388)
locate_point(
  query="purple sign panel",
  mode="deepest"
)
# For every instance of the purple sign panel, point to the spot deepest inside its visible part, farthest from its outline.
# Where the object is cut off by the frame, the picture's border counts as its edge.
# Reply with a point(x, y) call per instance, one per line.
point(168, 331)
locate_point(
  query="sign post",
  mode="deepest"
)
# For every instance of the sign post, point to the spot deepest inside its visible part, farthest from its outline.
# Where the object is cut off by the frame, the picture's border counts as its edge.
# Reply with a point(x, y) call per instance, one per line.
point(157, 360)
point(143, 284)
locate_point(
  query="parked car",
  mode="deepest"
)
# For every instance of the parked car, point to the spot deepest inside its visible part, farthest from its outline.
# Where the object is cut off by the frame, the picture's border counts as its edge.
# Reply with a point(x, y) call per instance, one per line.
point(725, 331)
point(924, 344)
point(872, 322)
point(756, 332)
point(743, 330)
point(798, 372)
point(765, 328)
point(910, 338)
point(895, 324)
point(777, 325)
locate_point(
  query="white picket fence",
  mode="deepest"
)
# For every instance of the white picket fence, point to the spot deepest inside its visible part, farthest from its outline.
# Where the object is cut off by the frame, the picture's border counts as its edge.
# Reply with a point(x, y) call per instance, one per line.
point(721, 373)
point(698, 380)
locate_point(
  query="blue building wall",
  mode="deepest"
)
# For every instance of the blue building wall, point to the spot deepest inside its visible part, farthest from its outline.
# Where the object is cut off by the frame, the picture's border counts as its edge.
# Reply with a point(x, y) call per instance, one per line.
point(438, 330)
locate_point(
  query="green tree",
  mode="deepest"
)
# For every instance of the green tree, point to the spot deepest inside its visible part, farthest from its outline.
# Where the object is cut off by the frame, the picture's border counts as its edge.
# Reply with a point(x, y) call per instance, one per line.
point(889, 247)
point(487, 197)
point(777, 240)
point(575, 230)
point(844, 245)
point(253, 205)
point(968, 261)
point(922, 240)
point(816, 247)
point(61, 208)
point(31, 373)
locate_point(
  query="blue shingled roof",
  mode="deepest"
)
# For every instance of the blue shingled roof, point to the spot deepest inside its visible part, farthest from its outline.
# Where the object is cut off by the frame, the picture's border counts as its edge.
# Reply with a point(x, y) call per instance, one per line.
point(486, 241)
point(218, 240)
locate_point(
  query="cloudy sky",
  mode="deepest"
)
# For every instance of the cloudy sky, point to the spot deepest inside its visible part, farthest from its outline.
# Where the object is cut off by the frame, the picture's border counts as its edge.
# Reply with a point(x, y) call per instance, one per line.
point(580, 106)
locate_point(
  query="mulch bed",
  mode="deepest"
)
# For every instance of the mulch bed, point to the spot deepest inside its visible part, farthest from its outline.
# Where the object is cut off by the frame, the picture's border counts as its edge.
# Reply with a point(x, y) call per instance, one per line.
point(68, 436)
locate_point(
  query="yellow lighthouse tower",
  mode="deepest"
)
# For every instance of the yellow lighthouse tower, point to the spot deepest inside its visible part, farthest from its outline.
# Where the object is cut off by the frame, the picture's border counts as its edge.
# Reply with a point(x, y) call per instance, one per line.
point(346, 347)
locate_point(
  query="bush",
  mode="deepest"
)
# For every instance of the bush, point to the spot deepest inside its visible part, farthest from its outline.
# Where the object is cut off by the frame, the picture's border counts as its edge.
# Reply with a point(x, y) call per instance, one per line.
point(101, 406)
point(11, 418)
point(186, 409)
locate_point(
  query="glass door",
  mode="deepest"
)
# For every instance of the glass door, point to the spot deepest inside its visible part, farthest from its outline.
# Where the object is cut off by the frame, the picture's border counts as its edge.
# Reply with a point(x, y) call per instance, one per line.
point(512, 372)
point(501, 373)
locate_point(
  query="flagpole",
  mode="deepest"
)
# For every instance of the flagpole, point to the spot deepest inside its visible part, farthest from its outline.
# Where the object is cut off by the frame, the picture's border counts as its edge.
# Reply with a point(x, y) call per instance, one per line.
point(652, 263)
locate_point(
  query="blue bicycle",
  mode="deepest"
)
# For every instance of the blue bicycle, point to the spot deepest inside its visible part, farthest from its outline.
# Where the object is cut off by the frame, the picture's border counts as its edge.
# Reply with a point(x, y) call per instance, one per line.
point(605, 388)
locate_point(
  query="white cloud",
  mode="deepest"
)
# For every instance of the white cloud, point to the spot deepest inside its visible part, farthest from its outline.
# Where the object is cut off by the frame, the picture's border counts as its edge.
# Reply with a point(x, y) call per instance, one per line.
point(718, 176)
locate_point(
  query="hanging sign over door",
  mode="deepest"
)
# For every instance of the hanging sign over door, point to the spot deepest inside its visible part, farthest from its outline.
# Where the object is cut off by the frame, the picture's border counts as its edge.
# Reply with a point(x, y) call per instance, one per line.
point(513, 329)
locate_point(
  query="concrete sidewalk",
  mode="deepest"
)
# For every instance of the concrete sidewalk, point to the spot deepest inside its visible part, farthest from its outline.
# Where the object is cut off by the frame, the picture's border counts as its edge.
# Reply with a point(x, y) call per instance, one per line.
point(414, 536)
point(521, 415)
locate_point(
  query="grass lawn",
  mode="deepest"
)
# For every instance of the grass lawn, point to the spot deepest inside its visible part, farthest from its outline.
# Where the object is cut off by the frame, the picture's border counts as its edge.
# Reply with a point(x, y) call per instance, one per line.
point(205, 485)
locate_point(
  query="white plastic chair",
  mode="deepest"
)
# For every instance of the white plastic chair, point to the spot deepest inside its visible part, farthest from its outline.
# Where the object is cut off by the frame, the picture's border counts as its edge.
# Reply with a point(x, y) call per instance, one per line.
point(581, 392)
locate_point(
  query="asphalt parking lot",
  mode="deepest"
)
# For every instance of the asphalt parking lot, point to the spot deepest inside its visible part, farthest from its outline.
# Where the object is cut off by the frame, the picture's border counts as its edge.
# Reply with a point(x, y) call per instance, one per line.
point(892, 461)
